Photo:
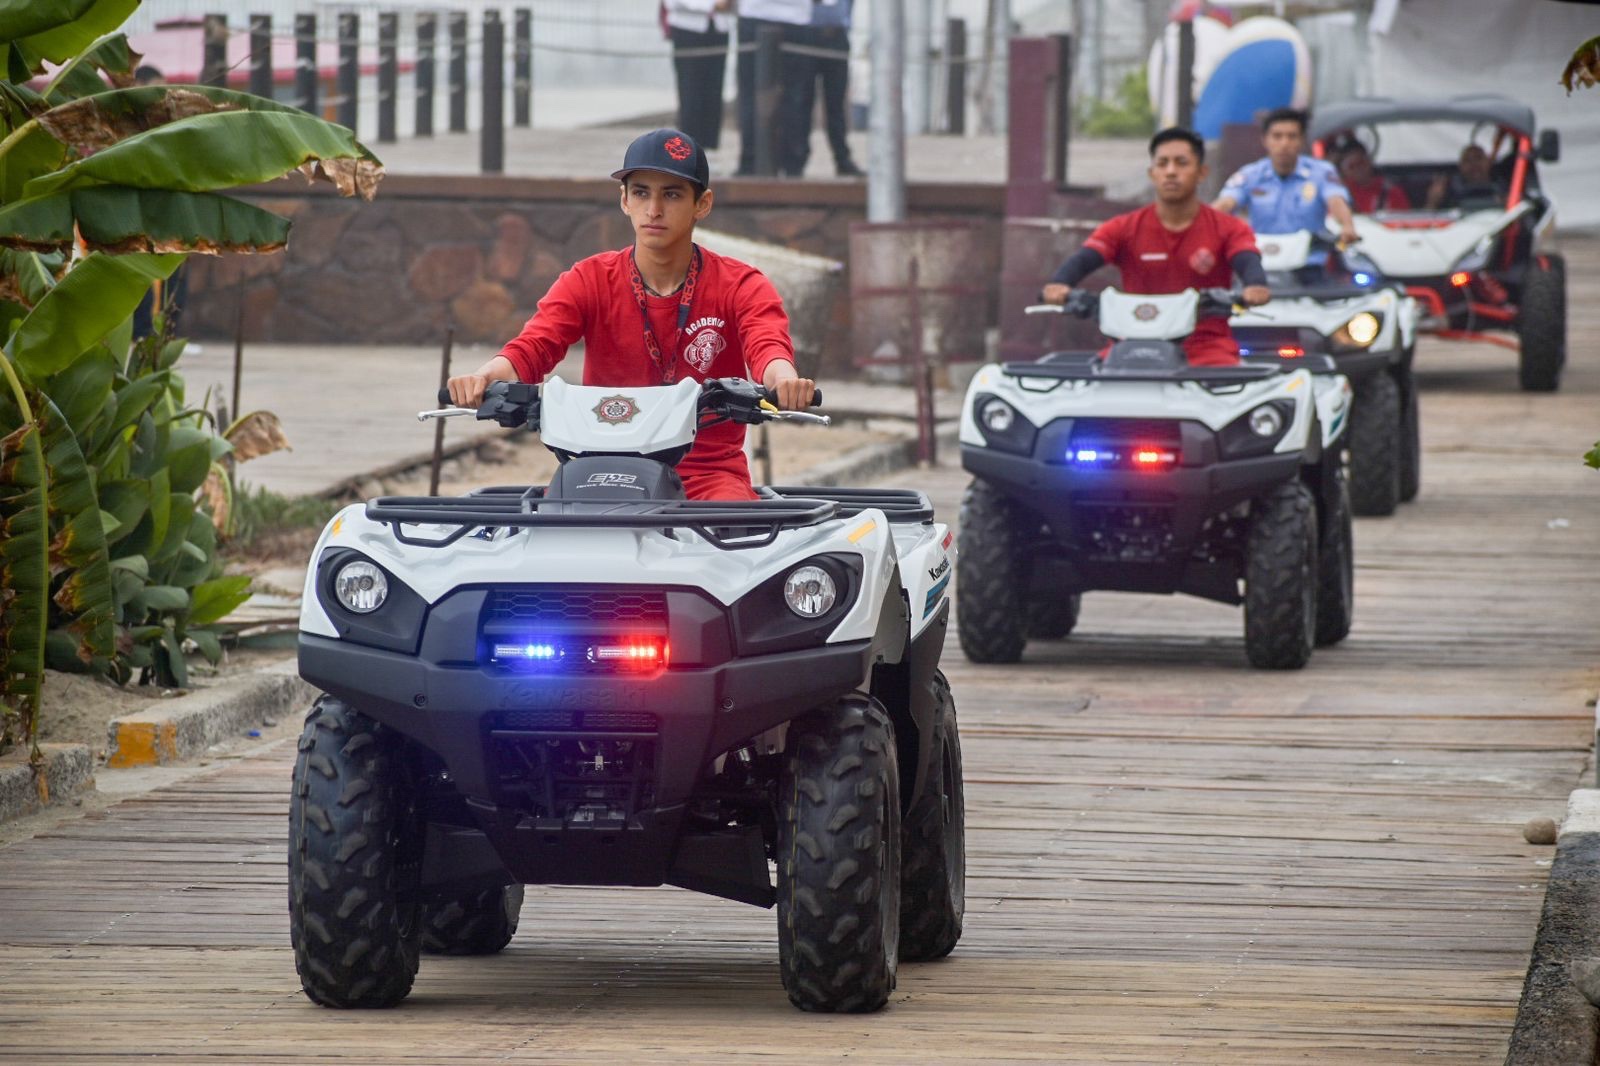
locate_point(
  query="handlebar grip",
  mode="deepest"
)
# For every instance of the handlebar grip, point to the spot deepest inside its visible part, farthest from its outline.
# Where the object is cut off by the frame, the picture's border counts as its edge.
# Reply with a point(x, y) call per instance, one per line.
point(771, 396)
point(444, 397)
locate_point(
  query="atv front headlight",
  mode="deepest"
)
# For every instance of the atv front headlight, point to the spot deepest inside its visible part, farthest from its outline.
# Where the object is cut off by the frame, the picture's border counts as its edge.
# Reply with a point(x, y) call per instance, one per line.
point(1002, 425)
point(1266, 421)
point(1359, 332)
point(1257, 431)
point(810, 591)
point(998, 415)
point(361, 587)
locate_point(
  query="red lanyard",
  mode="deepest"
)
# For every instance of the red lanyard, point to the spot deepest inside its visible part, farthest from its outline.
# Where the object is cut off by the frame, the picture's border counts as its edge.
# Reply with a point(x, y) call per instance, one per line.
point(664, 362)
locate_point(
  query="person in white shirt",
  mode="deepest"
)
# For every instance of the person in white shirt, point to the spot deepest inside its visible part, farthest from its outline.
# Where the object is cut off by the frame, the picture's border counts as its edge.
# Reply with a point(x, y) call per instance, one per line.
point(698, 30)
point(790, 16)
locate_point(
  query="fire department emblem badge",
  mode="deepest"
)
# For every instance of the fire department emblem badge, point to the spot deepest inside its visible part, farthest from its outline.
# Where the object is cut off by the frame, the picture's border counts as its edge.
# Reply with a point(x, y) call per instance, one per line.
point(615, 410)
point(1202, 261)
point(1270, 249)
point(702, 351)
point(1145, 312)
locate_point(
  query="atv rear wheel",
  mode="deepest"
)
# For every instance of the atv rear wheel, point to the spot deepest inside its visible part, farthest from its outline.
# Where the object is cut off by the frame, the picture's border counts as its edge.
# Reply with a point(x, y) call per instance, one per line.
point(933, 851)
point(353, 862)
point(839, 859)
point(1542, 324)
point(1335, 567)
point(1375, 446)
point(1280, 597)
point(990, 617)
point(479, 923)
point(1052, 615)
point(1410, 440)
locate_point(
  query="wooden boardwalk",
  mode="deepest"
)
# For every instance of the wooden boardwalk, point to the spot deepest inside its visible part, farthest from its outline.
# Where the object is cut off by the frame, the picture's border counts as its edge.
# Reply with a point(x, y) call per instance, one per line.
point(1172, 858)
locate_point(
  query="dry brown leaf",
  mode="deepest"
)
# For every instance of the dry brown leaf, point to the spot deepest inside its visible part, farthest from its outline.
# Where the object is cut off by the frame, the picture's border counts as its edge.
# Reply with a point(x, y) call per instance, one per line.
point(1583, 70)
point(85, 127)
point(351, 177)
point(256, 434)
point(214, 493)
point(140, 242)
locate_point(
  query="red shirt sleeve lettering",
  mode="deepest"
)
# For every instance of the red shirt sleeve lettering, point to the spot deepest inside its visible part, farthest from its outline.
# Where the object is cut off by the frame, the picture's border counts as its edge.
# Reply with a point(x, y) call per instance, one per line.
point(558, 324)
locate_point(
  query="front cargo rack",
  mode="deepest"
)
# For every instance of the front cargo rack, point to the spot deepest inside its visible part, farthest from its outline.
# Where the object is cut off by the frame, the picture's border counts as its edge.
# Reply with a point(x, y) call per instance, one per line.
point(897, 505)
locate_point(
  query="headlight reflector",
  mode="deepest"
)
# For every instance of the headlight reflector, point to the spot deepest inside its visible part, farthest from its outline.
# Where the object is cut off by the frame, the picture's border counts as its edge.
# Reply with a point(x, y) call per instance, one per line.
point(998, 415)
point(810, 591)
point(1363, 328)
point(361, 587)
point(1266, 421)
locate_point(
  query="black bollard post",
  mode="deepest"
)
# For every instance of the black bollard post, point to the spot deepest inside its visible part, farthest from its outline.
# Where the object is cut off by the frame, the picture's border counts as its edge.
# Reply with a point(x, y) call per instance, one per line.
point(1185, 74)
point(492, 138)
point(305, 63)
point(522, 68)
point(1061, 113)
point(458, 72)
point(349, 68)
point(769, 88)
point(427, 27)
point(261, 55)
point(438, 425)
point(214, 68)
point(955, 82)
point(388, 74)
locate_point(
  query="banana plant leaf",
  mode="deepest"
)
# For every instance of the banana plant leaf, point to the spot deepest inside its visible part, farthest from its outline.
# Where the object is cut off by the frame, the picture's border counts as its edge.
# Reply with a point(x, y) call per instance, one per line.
point(90, 301)
point(25, 277)
point(78, 549)
point(24, 18)
point(24, 577)
point(77, 78)
point(119, 219)
point(223, 150)
point(24, 155)
point(77, 26)
point(213, 600)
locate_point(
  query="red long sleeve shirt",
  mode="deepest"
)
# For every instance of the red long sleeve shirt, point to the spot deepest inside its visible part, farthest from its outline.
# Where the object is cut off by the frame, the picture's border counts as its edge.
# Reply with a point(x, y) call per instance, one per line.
point(736, 328)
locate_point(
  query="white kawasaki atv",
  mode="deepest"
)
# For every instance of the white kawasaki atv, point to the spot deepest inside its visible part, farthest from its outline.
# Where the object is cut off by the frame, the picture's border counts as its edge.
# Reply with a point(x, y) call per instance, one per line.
point(601, 683)
point(1141, 473)
point(1370, 330)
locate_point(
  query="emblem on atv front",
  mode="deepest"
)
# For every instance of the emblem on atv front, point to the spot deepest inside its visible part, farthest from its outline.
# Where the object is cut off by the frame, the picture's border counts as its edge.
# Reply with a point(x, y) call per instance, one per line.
point(615, 410)
point(1270, 249)
point(1145, 312)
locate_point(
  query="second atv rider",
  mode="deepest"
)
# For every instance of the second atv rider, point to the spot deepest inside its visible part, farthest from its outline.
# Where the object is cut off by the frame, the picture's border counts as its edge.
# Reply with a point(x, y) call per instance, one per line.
point(1174, 244)
point(661, 311)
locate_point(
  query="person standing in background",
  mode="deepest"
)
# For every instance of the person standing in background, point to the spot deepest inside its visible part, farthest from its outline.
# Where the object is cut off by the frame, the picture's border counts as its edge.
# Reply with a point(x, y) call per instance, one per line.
point(829, 31)
point(698, 30)
point(791, 17)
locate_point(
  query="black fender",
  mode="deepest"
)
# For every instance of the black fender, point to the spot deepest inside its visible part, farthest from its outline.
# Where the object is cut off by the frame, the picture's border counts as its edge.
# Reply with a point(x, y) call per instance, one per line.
point(906, 690)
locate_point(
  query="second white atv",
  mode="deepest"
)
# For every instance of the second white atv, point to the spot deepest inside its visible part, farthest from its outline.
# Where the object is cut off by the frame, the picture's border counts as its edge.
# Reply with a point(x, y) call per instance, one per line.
point(1370, 331)
point(1140, 473)
point(599, 682)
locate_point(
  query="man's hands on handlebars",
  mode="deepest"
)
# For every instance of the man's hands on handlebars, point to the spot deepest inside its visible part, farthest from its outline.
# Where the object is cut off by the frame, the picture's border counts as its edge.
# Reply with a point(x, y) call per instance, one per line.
point(1055, 293)
point(466, 390)
point(1255, 295)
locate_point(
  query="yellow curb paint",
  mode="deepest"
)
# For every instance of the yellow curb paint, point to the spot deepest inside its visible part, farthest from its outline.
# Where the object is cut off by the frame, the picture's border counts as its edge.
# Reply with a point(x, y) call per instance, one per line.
point(144, 744)
point(863, 531)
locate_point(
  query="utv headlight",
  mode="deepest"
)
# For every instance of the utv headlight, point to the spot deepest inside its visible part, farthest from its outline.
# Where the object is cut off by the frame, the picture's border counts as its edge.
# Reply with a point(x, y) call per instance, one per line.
point(998, 416)
point(361, 587)
point(1359, 332)
point(1476, 259)
point(1266, 421)
point(810, 591)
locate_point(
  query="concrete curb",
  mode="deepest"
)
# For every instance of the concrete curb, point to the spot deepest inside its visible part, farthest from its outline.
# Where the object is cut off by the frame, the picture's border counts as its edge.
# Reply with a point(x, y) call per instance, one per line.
point(185, 727)
point(68, 773)
point(871, 461)
point(1555, 1022)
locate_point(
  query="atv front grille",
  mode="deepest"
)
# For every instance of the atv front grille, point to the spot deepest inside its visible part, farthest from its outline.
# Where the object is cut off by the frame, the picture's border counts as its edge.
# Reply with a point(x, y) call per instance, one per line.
point(559, 603)
point(1123, 532)
point(579, 721)
point(1163, 432)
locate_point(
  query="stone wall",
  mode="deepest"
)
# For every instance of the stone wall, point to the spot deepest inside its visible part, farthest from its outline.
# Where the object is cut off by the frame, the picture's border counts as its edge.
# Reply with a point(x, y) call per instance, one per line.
point(479, 252)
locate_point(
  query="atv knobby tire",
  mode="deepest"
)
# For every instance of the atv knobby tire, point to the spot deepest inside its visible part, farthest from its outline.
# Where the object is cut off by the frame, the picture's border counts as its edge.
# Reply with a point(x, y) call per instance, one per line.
point(1542, 324)
point(479, 923)
point(1410, 441)
point(1052, 614)
point(839, 859)
point(1335, 567)
point(1280, 597)
point(933, 851)
point(352, 862)
point(1375, 446)
point(990, 614)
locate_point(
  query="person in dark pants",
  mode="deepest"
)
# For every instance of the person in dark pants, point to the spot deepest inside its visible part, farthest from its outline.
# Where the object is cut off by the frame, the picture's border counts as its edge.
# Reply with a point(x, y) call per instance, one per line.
point(829, 31)
point(791, 17)
point(698, 30)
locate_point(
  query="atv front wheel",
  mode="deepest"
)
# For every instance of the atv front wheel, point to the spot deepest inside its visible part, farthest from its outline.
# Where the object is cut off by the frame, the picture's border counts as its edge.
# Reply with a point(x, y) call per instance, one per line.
point(1375, 446)
point(1280, 595)
point(1410, 441)
point(1542, 324)
point(990, 617)
point(839, 859)
point(1052, 615)
point(933, 851)
point(352, 862)
point(1335, 567)
point(479, 923)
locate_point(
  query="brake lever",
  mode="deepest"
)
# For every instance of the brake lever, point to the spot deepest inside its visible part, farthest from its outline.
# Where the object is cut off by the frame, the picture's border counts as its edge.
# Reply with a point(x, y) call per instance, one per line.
point(445, 412)
point(799, 416)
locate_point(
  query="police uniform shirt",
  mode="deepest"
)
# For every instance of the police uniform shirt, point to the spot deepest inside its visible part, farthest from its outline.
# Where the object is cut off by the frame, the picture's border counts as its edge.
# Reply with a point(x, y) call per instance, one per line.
point(1286, 204)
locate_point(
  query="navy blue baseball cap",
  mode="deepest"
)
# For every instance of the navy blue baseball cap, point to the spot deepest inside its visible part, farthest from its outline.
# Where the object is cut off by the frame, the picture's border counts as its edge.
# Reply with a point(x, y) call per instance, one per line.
point(668, 151)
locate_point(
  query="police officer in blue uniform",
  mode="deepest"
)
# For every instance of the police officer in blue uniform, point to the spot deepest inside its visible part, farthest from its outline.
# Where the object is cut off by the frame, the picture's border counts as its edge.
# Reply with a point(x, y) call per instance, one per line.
point(1288, 191)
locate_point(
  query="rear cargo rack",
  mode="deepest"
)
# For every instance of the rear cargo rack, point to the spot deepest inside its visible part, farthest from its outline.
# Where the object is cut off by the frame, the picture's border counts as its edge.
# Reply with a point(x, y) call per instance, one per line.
point(730, 524)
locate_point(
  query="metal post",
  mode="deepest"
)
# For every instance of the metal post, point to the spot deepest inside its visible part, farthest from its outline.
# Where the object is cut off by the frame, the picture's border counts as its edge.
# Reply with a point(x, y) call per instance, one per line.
point(1185, 73)
point(919, 34)
point(388, 74)
point(922, 372)
point(492, 138)
point(769, 92)
point(522, 68)
point(349, 68)
point(997, 68)
point(764, 453)
point(886, 145)
point(305, 63)
point(214, 68)
point(427, 27)
point(1061, 117)
point(438, 425)
point(238, 350)
point(261, 55)
point(955, 83)
point(458, 72)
